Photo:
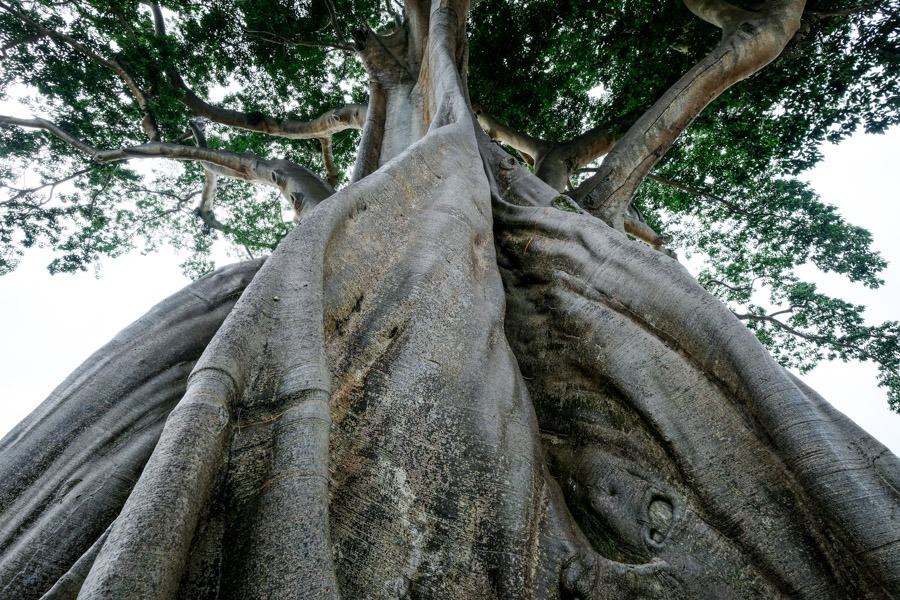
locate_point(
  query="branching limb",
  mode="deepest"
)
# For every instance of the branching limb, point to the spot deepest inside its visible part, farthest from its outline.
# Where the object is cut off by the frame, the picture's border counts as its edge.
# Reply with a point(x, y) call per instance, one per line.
point(748, 46)
point(351, 116)
point(522, 142)
point(148, 123)
point(553, 162)
point(208, 195)
point(22, 193)
point(722, 14)
point(38, 123)
point(557, 165)
point(269, 36)
point(398, 20)
point(332, 15)
point(297, 184)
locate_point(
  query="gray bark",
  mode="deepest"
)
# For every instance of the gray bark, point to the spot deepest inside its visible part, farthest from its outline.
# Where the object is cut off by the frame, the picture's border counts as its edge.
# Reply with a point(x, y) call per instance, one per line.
point(447, 382)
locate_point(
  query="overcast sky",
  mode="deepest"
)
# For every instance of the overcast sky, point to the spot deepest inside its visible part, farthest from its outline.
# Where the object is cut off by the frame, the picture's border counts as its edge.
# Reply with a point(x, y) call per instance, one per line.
point(50, 324)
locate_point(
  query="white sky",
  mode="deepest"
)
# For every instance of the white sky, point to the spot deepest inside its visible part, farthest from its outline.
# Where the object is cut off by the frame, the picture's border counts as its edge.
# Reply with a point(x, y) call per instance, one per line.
point(50, 324)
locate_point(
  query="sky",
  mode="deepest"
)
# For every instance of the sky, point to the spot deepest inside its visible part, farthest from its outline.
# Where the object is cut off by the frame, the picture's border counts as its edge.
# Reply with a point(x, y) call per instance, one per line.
point(50, 324)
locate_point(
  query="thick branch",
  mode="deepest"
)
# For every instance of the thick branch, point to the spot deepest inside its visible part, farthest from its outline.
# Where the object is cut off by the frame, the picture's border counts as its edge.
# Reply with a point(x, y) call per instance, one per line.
point(722, 14)
point(522, 142)
point(351, 116)
point(553, 162)
point(210, 185)
point(300, 186)
point(159, 24)
point(752, 45)
point(558, 164)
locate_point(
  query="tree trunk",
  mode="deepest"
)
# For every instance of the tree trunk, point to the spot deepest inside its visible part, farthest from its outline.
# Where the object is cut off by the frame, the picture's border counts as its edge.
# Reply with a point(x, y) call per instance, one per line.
point(447, 382)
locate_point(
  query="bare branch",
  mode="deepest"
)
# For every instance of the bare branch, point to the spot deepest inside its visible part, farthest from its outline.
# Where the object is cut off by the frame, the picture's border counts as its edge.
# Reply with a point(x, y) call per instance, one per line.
point(637, 226)
point(398, 20)
point(818, 339)
point(208, 196)
point(159, 24)
point(741, 289)
point(332, 14)
point(60, 133)
point(21, 193)
point(148, 123)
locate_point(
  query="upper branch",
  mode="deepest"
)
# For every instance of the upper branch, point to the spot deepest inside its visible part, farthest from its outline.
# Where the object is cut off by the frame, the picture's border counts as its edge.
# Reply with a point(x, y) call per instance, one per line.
point(748, 46)
point(300, 186)
point(159, 24)
point(350, 116)
point(723, 15)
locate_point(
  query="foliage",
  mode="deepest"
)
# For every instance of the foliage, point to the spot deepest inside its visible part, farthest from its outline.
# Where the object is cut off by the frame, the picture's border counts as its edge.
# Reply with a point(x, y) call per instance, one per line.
point(727, 190)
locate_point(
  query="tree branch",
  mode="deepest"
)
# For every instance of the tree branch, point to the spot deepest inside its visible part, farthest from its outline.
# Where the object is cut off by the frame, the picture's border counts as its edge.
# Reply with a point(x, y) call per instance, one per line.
point(19, 42)
point(332, 15)
point(21, 193)
point(740, 290)
point(843, 13)
point(159, 23)
point(751, 45)
point(350, 116)
point(557, 164)
point(530, 146)
point(398, 20)
point(300, 186)
point(268, 36)
point(210, 184)
point(722, 14)
point(147, 123)
point(328, 159)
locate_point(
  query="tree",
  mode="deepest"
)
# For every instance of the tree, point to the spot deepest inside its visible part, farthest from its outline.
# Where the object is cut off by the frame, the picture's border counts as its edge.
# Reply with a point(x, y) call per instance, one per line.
point(458, 376)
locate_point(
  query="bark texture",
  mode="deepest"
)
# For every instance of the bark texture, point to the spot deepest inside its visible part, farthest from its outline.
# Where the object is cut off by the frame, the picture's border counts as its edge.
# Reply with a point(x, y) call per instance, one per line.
point(448, 381)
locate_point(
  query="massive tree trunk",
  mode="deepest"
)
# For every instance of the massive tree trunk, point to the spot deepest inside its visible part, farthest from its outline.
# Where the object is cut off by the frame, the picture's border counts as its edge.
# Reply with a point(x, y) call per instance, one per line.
point(447, 382)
